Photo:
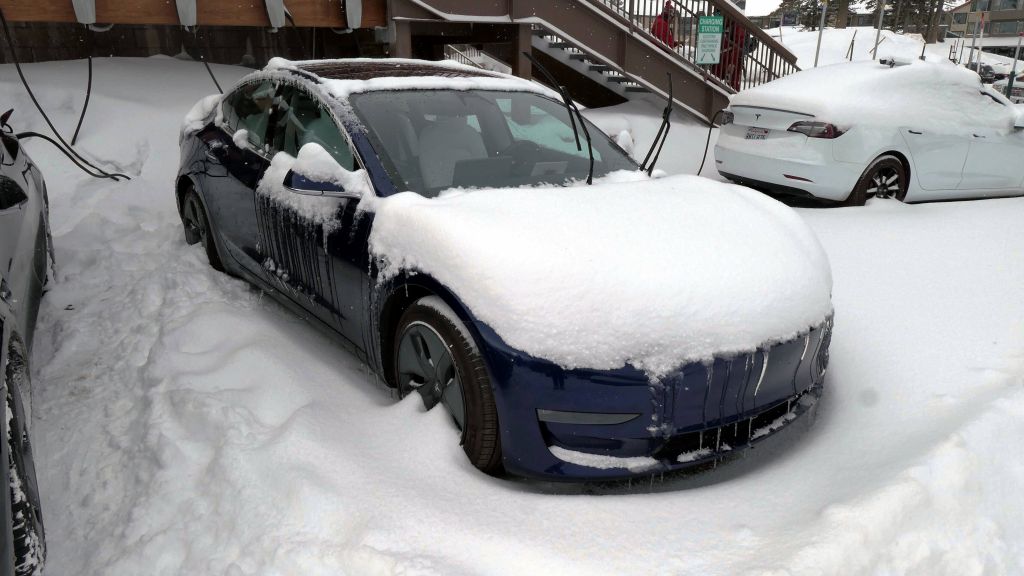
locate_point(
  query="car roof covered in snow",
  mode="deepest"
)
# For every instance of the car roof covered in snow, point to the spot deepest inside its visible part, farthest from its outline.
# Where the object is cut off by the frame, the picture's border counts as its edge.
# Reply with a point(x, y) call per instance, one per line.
point(342, 77)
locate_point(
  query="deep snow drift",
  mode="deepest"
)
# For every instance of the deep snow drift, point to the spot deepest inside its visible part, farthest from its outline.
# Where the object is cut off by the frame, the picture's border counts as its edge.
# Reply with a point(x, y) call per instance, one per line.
point(185, 424)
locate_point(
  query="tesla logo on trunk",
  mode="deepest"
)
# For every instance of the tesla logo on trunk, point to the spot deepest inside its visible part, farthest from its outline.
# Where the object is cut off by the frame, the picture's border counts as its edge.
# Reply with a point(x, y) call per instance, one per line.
point(757, 117)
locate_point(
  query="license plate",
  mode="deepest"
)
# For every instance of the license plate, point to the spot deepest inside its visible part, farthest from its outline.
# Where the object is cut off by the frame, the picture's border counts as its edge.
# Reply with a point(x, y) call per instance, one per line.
point(757, 134)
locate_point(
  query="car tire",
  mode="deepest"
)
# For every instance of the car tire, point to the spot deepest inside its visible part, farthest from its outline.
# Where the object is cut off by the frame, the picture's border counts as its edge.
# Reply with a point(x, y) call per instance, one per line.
point(434, 354)
point(26, 517)
point(198, 228)
point(885, 177)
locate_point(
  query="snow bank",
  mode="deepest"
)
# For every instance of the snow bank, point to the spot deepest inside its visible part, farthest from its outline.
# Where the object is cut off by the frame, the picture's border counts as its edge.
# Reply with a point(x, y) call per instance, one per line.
point(652, 273)
point(936, 94)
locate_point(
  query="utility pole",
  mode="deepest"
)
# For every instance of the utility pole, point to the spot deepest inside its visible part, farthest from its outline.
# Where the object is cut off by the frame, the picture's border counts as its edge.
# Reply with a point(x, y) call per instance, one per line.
point(974, 41)
point(1013, 71)
point(821, 29)
point(878, 34)
point(981, 49)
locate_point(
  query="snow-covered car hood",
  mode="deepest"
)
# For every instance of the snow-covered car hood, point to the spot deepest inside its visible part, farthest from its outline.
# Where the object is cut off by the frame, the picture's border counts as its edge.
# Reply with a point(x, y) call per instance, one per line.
point(654, 273)
point(937, 95)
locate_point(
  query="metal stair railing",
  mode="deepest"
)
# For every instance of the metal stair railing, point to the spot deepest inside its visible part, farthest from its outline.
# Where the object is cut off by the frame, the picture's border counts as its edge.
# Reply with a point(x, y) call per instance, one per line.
point(750, 56)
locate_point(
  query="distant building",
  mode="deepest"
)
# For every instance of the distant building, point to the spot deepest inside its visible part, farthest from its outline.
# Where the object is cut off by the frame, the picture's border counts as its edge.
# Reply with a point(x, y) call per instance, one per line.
point(1004, 21)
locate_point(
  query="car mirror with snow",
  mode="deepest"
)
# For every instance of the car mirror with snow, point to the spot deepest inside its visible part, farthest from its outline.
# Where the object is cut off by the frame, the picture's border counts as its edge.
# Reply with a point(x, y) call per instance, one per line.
point(300, 184)
point(317, 173)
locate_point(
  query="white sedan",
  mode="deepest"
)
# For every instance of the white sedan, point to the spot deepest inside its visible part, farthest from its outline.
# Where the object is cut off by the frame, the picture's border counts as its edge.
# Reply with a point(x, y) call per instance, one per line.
point(913, 131)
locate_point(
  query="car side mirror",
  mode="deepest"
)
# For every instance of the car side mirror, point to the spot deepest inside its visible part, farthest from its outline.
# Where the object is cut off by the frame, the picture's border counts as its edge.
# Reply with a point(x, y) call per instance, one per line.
point(300, 184)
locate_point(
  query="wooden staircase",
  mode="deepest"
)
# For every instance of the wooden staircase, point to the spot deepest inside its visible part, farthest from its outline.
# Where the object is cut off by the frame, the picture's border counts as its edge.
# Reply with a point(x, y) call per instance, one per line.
point(604, 45)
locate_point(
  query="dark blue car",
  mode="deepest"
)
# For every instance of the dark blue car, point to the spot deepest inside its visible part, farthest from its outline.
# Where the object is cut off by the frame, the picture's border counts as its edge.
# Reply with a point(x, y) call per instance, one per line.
point(408, 129)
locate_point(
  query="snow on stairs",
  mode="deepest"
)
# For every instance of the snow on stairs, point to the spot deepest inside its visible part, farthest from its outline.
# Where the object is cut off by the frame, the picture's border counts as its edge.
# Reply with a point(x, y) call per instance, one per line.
point(584, 63)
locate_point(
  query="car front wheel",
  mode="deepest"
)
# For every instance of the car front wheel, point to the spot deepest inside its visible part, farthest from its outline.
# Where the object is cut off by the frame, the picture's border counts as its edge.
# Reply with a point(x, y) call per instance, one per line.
point(434, 355)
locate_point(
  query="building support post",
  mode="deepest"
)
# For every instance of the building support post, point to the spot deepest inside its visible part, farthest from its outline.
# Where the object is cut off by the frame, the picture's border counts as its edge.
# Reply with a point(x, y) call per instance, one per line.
point(521, 66)
point(401, 39)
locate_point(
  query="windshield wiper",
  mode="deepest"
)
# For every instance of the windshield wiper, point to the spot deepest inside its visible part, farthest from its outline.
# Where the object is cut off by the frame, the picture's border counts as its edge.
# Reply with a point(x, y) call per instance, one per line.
point(662, 136)
point(571, 108)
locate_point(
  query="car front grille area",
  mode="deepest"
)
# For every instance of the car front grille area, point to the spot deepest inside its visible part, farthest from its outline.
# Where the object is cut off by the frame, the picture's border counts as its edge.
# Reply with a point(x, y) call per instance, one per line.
point(716, 442)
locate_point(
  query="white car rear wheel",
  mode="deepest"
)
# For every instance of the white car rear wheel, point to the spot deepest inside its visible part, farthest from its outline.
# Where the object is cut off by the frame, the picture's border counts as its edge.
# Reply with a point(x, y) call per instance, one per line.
point(885, 177)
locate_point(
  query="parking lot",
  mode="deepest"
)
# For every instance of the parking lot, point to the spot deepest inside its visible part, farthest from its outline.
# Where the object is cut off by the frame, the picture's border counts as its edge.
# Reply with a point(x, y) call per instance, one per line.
point(186, 423)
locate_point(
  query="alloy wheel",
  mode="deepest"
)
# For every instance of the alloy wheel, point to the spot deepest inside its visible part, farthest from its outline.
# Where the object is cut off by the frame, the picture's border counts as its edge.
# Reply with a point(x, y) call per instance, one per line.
point(425, 364)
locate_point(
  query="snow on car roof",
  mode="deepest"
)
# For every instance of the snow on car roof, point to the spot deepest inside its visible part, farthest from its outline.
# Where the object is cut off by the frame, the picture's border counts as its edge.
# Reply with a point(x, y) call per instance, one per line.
point(921, 94)
point(343, 77)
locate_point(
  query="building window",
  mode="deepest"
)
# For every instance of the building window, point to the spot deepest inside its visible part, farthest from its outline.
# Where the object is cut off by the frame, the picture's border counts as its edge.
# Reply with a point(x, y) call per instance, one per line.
point(980, 6)
point(960, 18)
point(1003, 5)
point(1004, 28)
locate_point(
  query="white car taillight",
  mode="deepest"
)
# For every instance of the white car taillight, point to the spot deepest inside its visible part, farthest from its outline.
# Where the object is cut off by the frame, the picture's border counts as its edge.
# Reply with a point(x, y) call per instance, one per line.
point(816, 129)
point(727, 118)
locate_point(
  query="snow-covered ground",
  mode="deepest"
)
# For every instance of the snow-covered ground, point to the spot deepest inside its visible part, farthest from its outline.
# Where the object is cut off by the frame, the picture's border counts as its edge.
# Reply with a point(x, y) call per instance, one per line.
point(835, 44)
point(185, 424)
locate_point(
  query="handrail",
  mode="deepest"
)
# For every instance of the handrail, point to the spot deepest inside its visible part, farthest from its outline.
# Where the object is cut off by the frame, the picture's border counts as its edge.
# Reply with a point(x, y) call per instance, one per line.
point(767, 59)
point(453, 53)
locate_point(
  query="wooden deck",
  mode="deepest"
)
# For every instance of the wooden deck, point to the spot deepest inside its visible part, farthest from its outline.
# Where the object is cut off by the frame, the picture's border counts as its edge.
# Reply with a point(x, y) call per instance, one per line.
point(313, 13)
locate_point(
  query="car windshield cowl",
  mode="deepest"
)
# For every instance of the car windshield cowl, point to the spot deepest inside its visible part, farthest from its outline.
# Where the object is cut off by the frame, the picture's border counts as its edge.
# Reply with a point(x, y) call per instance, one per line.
point(433, 140)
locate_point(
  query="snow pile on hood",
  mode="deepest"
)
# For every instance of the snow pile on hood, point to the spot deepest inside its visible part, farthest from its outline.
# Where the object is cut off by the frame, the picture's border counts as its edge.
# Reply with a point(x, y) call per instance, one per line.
point(654, 273)
point(922, 94)
point(315, 163)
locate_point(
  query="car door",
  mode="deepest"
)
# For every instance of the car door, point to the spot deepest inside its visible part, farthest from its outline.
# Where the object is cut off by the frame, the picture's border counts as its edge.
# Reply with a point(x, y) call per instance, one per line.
point(994, 160)
point(237, 156)
point(298, 250)
point(938, 157)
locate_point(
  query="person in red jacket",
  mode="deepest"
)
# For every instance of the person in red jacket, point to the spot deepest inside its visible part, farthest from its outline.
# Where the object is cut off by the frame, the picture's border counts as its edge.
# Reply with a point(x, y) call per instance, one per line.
point(662, 28)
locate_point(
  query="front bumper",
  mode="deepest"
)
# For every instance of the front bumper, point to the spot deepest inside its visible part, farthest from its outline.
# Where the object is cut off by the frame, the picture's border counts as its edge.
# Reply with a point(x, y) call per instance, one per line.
point(561, 424)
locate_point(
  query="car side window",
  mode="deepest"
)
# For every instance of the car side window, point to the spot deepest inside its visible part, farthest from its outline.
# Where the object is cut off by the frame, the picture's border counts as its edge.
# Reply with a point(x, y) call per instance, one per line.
point(300, 119)
point(248, 108)
point(11, 195)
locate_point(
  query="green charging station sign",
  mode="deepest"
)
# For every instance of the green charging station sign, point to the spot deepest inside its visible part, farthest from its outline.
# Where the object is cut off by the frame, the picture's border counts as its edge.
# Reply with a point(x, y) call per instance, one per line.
point(709, 39)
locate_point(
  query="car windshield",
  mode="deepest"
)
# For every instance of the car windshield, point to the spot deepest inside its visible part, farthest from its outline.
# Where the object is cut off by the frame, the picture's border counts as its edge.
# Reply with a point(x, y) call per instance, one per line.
point(431, 140)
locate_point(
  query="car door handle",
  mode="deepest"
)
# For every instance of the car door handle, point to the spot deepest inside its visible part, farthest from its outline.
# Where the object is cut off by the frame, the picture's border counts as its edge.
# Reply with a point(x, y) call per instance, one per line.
point(978, 136)
point(915, 132)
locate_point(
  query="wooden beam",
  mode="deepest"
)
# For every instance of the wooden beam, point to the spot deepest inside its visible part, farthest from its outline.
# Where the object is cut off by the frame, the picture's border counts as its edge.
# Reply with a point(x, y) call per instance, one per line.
point(312, 13)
